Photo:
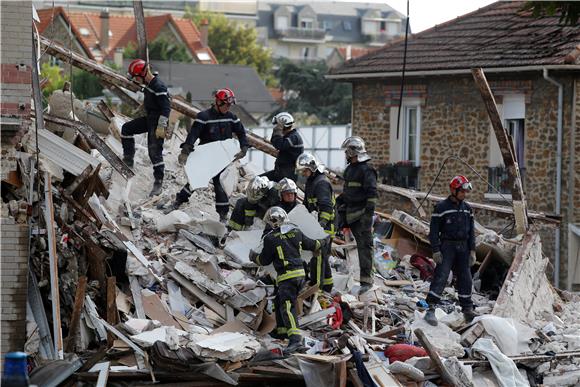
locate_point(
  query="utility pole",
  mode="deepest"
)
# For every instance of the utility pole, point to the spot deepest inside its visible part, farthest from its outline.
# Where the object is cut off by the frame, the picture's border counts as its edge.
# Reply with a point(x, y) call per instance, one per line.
point(507, 152)
point(142, 49)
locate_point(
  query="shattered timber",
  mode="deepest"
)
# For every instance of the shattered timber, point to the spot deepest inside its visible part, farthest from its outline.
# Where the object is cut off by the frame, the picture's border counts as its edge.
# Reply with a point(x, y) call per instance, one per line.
point(120, 293)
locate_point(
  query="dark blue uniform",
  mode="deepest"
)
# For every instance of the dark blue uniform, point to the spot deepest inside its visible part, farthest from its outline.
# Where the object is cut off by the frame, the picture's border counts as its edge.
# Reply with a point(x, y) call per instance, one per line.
point(210, 125)
point(452, 233)
point(156, 104)
point(245, 211)
point(283, 252)
point(289, 146)
point(319, 197)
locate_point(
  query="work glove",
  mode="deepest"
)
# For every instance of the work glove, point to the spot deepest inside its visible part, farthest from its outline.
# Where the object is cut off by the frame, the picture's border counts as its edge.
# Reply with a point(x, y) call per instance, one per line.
point(472, 258)
point(186, 149)
point(253, 255)
point(242, 153)
point(161, 127)
point(438, 257)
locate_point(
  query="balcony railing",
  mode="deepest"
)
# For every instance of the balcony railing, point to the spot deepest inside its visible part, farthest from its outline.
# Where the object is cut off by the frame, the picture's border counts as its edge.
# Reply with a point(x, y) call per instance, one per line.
point(301, 33)
point(379, 39)
point(498, 178)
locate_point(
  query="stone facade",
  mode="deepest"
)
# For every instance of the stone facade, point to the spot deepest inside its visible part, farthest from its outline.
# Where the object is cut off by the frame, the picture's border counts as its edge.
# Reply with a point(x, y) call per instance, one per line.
point(454, 122)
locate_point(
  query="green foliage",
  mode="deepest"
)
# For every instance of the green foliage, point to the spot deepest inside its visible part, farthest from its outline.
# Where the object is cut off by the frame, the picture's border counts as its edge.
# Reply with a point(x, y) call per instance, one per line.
point(569, 11)
point(312, 95)
point(54, 75)
point(86, 85)
point(161, 49)
point(234, 44)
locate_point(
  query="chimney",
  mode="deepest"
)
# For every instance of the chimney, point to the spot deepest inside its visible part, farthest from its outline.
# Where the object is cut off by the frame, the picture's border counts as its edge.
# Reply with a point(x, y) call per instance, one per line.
point(348, 52)
point(104, 38)
point(203, 31)
point(118, 57)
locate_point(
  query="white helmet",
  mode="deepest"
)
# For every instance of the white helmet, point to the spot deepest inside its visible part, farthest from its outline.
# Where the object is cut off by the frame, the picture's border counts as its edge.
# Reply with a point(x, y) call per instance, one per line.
point(283, 120)
point(275, 217)
point(308, 161)
point(257, 188)
point(287, 185)
point(355, 146)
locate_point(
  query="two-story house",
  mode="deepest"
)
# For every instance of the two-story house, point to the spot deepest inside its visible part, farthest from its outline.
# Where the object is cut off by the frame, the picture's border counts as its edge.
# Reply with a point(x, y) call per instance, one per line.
point(533, 67)
point(303, 31)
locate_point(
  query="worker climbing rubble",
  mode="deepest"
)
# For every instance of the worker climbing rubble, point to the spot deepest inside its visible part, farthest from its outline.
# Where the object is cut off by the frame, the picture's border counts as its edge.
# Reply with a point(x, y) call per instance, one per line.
point(282, 247)
point(286, 139)
point(319, 198)
point(217, 123)
point(452, 238)
point(357, 203)
point(154, 123)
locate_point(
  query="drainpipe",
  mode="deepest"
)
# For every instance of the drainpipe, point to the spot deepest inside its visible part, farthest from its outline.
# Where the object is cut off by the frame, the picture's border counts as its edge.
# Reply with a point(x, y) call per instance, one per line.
point(558, 170)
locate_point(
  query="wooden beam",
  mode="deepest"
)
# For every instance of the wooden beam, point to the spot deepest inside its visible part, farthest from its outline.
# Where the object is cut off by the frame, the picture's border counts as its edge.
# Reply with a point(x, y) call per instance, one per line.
point(200, 294)
point(93, 138)
point(111, 306)
point(142, 49)
point(506, 149)
point(432, 352)
point(53, 258)
point(76, 314)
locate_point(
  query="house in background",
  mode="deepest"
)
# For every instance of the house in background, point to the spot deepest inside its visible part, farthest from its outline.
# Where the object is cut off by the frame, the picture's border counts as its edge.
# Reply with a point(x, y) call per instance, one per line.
point(527, 62)
point(106, 35)
point(339, 55)
point(303, 31)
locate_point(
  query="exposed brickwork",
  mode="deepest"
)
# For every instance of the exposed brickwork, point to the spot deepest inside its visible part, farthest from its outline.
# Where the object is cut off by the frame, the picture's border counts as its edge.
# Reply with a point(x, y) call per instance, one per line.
point(454, 122)
point(16, 79)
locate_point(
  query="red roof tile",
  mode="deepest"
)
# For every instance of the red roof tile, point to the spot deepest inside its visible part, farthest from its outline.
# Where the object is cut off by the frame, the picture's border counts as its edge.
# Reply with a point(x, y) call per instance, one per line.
point(496, 36)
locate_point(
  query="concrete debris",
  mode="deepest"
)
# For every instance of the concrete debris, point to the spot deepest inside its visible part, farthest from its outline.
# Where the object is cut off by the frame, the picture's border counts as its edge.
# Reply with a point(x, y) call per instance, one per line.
point(186, 288)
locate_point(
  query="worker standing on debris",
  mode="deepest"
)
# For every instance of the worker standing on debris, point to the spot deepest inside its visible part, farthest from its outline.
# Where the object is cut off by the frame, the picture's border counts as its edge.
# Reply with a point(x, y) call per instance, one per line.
point(282, 246)
point(286, 139)
point(357, 204)
point(155, 123)
point(261, 194)
point(319, 197)
point(452, 240)
point(288, 191)
point(217, 123)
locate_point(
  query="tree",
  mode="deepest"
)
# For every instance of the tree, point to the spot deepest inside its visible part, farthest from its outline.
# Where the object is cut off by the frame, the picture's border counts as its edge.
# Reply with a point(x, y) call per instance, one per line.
point(86, 85)
point(569, 11)
point(161, 49)
point(234, 44)
point(311, 94)
point(54, 76)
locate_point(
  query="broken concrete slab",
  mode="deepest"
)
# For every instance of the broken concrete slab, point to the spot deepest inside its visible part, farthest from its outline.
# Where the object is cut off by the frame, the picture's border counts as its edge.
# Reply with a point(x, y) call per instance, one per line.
point(164, 334)
point(208, 160)
point(445, 341)
point(306, 222)
point(230, 346)
point(167, 223)
point(239, 244)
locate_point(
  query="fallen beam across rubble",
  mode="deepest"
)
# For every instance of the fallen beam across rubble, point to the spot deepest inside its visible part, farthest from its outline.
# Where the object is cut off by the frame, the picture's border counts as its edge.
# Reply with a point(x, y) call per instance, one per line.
point(113, 78)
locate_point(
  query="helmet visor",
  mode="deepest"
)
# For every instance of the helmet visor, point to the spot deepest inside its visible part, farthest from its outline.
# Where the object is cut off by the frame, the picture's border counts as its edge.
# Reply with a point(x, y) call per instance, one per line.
point(466, 187)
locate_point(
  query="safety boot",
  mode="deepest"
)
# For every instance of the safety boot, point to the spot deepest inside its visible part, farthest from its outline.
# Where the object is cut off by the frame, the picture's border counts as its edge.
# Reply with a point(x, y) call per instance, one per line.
point(430, 317)
point(294, 345)
point(364, 287)
point(157, 186)
point(469, 314)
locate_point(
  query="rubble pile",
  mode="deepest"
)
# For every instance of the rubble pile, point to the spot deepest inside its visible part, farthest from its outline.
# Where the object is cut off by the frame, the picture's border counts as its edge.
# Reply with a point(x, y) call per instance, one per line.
point(144, 295)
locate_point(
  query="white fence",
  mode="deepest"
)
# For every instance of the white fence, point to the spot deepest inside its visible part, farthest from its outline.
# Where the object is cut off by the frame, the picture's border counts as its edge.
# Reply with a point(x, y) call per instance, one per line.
point(323, 141)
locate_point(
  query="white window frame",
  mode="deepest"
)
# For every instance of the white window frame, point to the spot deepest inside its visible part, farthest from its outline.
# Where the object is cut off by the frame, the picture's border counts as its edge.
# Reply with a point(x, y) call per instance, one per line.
point(405, 132)
point(278, 23)
point(309, 23)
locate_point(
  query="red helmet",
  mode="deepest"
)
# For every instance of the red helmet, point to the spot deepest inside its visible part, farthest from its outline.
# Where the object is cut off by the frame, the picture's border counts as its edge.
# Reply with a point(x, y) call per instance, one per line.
point(137, 68)
point(460, 182)
point(225, 96)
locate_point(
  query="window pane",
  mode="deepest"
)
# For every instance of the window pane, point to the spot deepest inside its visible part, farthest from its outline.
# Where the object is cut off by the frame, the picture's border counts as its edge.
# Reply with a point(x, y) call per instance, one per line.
point(411, 131)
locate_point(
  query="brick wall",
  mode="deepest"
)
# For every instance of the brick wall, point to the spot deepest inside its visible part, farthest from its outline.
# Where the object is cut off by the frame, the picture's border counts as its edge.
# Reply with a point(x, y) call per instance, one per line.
point(16, 79)
point(13, 284)
point(454, 122)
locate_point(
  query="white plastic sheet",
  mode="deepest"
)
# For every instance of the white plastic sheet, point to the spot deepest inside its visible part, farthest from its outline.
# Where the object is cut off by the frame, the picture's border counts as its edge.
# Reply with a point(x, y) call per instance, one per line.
point(208, 160)
point(511, 337)
point(503, 367)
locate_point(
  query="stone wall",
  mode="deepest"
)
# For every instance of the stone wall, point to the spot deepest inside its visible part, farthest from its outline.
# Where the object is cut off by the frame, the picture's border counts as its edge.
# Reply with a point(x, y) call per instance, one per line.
point(454, 122)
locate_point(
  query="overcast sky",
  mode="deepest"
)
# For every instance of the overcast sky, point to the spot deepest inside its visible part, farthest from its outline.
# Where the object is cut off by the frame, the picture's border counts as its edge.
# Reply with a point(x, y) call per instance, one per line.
point(424, 14)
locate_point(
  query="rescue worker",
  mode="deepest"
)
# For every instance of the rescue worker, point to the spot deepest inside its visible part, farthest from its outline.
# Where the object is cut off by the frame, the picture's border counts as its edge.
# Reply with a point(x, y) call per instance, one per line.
point(288, 191)
point(261, 194)
point(452, 240)
point(155, 122)
point(217, 123)
point(289, 144)
point(282, 246)
point(357, 204)
point(319, 197)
